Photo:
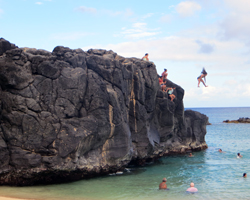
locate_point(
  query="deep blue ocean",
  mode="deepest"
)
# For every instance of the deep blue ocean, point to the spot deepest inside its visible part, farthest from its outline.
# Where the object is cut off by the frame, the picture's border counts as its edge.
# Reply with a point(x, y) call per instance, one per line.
point(216, 175)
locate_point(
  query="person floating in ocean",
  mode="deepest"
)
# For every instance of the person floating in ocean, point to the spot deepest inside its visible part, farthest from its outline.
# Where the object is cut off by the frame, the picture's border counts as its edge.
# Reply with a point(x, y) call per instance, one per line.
point(202, 76)
point(190, 155)
point(145, 57)
point(239, 156)
point(164, 74)
point(244, 175)
point(163, 184)
point(220, 150)
point(192, 189)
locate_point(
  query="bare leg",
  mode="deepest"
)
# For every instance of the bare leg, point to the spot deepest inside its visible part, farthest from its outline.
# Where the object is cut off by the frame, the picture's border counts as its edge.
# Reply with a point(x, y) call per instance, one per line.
point(199, 82)
point(172, 97)
point(203, 83)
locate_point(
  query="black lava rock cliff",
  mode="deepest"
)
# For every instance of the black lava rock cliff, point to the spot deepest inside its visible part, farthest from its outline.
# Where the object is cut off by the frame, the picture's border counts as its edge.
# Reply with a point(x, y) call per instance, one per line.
point(70, 114)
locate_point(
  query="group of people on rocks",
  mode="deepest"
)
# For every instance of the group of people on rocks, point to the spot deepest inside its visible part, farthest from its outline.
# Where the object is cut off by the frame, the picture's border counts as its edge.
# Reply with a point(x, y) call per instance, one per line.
point(164, 88)
point(163, 78)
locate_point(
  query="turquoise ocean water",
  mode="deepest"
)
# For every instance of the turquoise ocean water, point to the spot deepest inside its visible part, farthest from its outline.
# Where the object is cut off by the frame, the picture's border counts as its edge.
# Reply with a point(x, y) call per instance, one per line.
point(216, 175)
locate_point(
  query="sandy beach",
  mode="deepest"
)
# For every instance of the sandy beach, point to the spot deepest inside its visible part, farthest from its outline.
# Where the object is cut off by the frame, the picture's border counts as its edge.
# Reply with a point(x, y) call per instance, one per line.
point(8, 198)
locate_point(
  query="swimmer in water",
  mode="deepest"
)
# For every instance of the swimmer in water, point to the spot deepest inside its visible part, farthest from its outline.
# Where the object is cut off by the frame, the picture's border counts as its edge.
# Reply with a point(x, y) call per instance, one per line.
point(192, 189)
point(163, 184)
point(239, 156)
point(191, 155)
point(244, 175)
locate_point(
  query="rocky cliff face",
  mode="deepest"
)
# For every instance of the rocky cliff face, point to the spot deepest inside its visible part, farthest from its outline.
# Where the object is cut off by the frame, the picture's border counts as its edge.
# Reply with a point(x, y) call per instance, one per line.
point(71, 114)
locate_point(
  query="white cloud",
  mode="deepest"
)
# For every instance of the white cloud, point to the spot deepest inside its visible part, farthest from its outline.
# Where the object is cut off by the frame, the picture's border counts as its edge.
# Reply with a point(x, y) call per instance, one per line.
point(39, 3)
point(246, 93)
point(86, 9)
point(236, 26)
point(187, 8)
point(239, 5)
point(138, 31)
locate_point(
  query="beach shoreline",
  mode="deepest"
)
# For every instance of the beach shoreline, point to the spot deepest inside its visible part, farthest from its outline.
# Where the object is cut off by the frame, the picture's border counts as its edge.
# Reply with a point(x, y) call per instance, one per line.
point(10, 198)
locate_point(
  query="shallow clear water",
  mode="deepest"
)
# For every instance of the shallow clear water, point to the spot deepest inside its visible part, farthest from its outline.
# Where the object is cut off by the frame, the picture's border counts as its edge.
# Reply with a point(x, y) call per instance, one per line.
point(216, 175)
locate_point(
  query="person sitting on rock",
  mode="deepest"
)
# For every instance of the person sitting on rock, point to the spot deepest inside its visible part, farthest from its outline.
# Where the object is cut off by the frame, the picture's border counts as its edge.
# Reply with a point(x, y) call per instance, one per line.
point(145, 57)
point(192, 189)
point(162, 83)
point(202, 76)
point(163, 184)
point(164, 74)
point(170, 91)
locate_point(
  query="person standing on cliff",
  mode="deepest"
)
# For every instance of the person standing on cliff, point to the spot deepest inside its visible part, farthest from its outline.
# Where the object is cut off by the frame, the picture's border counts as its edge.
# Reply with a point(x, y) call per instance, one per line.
point(202, 76)
point(164, 74)
point(163, 184)
point(145, 57)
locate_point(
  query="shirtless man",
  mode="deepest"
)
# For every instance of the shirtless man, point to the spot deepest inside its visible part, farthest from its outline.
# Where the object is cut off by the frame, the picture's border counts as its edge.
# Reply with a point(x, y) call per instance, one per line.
point(192, 188)
point(163, 184)
point(164, 74)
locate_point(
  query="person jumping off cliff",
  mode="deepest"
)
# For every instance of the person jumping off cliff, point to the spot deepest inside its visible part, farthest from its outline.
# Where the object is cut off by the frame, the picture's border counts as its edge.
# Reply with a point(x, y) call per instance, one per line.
point(202, 76)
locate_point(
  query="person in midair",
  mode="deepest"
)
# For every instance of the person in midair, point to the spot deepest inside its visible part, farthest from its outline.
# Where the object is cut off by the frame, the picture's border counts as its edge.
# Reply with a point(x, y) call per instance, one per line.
point(201, 77)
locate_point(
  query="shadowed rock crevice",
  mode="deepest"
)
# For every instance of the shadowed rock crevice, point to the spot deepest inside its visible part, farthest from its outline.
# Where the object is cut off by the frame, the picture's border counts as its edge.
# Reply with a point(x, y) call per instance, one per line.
point(70, 114)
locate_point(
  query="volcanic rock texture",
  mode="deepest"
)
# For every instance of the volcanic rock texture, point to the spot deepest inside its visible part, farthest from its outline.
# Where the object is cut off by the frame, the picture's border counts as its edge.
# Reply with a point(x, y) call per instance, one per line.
point(70, 114)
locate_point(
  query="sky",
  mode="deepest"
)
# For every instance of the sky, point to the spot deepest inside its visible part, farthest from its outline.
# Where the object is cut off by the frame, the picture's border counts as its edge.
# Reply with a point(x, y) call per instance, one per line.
point(181, 36)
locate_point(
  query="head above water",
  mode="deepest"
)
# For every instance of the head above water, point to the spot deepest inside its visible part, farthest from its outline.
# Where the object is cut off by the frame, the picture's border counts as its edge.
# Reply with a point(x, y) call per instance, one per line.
point(192, 184)
point(245, 175)
point(238, 154)
point(164, 180)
